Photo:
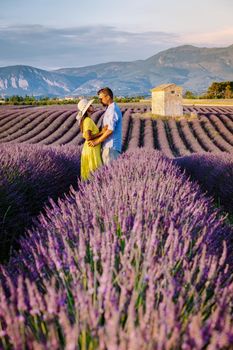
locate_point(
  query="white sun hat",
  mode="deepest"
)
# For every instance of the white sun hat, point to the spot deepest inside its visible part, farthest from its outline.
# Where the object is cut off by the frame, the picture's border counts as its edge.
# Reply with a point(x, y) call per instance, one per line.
point(83, 106)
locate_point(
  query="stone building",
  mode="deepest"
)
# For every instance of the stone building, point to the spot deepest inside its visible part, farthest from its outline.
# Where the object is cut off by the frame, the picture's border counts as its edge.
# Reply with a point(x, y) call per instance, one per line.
point(167, 100)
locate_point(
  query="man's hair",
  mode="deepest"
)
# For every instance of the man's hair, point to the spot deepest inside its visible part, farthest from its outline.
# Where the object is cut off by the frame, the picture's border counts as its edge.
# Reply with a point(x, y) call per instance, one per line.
point(107, 91)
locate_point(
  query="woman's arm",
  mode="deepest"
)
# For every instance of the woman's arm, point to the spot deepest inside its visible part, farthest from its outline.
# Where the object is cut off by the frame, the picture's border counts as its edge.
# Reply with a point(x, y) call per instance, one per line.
point(89, 136)
point(97, 141)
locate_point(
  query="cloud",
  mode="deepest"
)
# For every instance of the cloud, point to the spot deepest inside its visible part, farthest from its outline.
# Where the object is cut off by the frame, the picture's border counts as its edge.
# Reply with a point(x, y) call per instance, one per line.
point(51, 48)
point(47, 47)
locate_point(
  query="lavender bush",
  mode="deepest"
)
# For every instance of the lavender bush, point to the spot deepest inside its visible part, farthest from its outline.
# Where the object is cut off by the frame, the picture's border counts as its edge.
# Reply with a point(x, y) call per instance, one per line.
point(127, 262)
point(29, 176)
point(214, 172)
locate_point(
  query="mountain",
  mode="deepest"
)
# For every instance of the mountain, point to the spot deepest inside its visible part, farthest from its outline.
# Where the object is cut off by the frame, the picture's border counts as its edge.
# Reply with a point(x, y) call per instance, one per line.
point(26, 80)
point(192, 67)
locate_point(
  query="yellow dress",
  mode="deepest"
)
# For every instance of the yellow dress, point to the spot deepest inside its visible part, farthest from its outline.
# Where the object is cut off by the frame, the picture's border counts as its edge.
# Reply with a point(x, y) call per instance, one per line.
point(91, 156)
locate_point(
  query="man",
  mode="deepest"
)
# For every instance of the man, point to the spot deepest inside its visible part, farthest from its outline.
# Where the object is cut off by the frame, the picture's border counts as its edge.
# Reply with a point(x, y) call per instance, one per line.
point(111, 139)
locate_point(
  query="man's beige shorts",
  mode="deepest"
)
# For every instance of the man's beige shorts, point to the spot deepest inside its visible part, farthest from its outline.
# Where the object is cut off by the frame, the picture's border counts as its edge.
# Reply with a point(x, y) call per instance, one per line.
point(109, 154)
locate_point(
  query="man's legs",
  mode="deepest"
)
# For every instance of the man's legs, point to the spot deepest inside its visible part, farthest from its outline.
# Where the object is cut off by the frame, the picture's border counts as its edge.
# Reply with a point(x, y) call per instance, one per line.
point(109, 154)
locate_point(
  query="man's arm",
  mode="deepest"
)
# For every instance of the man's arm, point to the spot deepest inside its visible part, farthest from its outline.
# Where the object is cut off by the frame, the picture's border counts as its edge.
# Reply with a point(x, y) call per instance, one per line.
point(88, 135)
point(102, 138)
point(101, 132)
point(111, 120)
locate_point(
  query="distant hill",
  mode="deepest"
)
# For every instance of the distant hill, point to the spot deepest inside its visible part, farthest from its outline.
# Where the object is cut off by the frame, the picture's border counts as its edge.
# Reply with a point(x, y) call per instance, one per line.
point(192, 67)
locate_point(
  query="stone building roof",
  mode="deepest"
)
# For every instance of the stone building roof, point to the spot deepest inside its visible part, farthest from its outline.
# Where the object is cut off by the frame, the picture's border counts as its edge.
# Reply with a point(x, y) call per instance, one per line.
point(164, 87)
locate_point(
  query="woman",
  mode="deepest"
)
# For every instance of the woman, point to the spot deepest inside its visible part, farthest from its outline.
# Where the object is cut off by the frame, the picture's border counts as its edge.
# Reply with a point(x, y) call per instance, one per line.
point(91, 156)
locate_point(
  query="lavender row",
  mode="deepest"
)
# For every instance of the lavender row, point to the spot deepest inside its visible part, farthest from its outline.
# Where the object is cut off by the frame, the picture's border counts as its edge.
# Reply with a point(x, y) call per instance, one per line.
point(206, 109)
point(9, 112)
point(28, 178)
point(126, 126)
point(25, 128)
point(45, 129)
point(148, 134)
point(34, 128)
point(61, 129)
point(203, 138)
point(177, 140)
point(148, 271)
point(214, 172)
point(222, 129)
point(163, 142)
point(227, 122)
point(189, 137)
point(65, 133)
point(215, 136)
point(134, 140)
point(56, 125)
point(16, 119)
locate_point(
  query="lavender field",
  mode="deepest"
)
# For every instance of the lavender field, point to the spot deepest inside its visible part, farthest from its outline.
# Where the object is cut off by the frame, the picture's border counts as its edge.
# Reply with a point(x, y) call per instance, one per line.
point(210, 131)
point(138, 257)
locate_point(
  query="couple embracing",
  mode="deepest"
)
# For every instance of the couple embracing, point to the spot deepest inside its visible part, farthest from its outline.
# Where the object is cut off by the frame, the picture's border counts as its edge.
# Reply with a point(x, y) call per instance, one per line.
point(100, 147)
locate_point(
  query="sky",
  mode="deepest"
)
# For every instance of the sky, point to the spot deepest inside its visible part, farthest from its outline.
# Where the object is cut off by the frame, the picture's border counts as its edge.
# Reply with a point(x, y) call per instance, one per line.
point(52, 34)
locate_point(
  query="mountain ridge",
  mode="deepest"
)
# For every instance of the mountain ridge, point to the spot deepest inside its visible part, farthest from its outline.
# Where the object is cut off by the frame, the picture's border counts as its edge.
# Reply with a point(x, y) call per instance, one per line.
point(194, 68)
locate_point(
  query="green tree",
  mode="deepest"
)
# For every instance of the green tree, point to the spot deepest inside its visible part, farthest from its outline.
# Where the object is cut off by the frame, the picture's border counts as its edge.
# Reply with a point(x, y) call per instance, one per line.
point(228, 92)
point(218, 90)
point(189, 94)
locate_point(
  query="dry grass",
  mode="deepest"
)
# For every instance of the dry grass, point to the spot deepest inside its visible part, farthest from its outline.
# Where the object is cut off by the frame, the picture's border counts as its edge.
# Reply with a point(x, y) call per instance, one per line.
point(199, 102)
point(149, 115)
point(208, 102)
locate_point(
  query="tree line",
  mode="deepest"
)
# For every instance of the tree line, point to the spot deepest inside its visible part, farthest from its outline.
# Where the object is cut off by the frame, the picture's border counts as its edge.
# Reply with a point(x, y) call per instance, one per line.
point(34, 101)
point(223, 90)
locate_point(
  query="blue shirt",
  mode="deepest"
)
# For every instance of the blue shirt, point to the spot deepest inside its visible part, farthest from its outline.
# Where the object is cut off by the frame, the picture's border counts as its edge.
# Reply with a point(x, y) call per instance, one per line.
point(113, 118)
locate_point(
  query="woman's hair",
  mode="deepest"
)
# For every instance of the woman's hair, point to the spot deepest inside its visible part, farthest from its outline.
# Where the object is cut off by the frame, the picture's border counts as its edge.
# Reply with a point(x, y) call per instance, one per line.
point(82, 120)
